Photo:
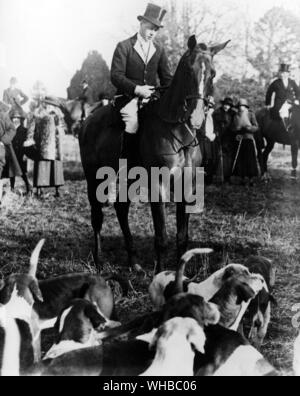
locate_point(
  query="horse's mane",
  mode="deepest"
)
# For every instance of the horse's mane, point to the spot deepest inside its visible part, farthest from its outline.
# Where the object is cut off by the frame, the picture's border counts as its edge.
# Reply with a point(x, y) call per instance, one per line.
point(184, 84)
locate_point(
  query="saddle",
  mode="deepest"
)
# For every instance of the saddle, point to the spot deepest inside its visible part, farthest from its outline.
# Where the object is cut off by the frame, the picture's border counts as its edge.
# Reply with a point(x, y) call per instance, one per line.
point(275, 129)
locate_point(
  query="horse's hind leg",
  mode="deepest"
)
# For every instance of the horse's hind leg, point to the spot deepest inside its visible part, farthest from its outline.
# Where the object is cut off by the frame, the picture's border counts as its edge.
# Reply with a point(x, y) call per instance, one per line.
point(97, 218)
point(122, 210)
point(182, 230)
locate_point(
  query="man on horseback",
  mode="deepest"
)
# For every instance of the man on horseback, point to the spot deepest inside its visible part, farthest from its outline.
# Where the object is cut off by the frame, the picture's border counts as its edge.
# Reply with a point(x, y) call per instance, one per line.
point(137, 65)
point(281, 95)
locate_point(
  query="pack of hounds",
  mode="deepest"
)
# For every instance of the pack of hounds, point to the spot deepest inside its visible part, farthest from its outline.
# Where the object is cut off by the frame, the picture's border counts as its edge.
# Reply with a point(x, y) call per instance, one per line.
point(212, 328)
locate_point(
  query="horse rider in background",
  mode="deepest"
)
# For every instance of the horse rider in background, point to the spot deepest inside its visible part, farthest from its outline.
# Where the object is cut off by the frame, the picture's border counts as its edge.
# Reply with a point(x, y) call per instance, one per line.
point(137, 64)
point(281, 95)
point(14, 97)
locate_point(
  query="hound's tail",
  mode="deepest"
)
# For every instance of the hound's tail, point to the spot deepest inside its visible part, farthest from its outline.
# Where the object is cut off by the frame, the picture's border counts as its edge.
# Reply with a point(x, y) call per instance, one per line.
point(181, 268)
point(34, 260)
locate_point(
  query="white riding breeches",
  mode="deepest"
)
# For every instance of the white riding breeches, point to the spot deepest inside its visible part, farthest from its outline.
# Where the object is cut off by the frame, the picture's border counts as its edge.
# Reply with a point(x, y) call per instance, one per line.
point(129, 115)
point(285, 110)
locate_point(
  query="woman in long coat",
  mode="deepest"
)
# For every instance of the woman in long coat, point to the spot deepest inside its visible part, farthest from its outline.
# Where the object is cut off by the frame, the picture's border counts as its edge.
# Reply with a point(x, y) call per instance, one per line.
point(244, 127)
point(45, 133)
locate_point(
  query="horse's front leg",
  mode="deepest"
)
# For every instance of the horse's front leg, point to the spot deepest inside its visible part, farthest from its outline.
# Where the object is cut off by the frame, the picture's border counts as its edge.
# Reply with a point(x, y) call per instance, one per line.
point(159, 221)
point(294, 150)
point(122, 210)
point(182, 230)
point(97, 219)
point(267, 152)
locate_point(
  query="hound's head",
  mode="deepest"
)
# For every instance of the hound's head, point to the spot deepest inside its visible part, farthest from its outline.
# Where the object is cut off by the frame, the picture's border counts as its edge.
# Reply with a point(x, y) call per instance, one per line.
point(184, 329)
point(79, 322)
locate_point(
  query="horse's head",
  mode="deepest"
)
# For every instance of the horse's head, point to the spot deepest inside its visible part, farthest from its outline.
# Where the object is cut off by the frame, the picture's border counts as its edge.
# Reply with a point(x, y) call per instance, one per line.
point(200, 59)
point(191, 85)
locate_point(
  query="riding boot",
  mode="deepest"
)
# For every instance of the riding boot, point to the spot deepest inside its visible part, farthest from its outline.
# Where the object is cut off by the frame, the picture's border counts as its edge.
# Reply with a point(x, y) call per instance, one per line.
point(129, 149)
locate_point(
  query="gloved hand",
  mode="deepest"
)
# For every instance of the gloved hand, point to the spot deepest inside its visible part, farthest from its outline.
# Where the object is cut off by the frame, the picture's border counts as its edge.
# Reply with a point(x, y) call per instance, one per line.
point(239, 138)
point(144, 91)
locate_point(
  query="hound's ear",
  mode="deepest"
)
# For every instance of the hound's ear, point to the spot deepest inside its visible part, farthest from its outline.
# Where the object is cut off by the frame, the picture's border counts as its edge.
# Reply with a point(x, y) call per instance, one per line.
point(215, 49)
point(197, 338)
point(211, 314)
point(93, 315)
point(244, 293)
point(36, 291)
point(2, 284)
point(192, 43)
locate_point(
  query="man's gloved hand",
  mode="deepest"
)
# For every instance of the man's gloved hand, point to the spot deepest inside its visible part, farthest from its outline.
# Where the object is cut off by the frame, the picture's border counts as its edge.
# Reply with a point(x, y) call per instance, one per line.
point(144, 91)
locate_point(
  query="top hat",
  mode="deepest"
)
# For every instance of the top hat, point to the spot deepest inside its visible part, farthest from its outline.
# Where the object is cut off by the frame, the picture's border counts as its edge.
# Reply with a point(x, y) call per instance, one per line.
point(153, 14)
point(284, 68)
point(227, 101)
point(243, 102)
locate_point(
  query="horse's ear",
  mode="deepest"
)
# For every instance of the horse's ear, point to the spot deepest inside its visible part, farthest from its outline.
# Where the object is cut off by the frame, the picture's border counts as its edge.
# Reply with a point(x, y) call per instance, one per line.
point(215, 49)
point(192, 43)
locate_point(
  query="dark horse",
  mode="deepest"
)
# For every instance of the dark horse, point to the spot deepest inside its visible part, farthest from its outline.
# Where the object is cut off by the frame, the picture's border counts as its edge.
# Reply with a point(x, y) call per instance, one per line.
point(274, 132)
point(164, 141)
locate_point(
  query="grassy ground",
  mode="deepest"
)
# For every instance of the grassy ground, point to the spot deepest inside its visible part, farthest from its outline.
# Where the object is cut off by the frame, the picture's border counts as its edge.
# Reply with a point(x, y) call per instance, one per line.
point(237, 221)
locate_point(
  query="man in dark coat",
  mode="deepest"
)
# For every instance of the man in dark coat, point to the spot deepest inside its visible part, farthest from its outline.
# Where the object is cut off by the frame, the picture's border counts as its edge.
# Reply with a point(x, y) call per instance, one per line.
point(86, 97)
point(138, 65)
point(18, 146)
point(7, 133)
point(281, 95)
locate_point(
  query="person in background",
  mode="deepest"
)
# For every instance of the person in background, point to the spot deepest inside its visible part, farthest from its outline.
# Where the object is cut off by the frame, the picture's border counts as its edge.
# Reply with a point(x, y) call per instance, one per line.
point(45, 136)
point(281, 95)
point(86, 98)
point(14, 97)
point(7, 133)
point(18, 145)
point(223, 118)
point(244, 127)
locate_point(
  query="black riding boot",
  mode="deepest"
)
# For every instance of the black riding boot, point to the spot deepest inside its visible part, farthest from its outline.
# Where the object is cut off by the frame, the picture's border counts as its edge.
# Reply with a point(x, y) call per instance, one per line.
point(130, 149)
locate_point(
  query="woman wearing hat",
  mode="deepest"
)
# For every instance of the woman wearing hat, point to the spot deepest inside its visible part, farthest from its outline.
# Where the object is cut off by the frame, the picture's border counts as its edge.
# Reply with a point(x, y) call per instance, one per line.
point(18, 145)
point(281, 94)
point(244, 127)
point(223, 118)
point(138, 63)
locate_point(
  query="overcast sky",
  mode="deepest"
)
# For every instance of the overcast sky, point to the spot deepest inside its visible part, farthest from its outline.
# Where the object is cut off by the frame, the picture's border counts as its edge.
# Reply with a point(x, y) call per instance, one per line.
point(48, 39)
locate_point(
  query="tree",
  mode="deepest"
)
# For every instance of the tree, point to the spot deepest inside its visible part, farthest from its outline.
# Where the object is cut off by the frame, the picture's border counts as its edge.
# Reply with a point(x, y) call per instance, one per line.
point(248, 88)
point(95, 70)
point(275, 39)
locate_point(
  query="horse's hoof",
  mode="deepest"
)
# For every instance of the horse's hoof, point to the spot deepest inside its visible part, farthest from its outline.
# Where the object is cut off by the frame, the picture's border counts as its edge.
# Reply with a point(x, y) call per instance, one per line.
point(294, 176)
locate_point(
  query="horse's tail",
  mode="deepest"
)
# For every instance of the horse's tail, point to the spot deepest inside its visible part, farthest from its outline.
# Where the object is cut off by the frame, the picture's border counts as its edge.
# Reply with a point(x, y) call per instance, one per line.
point(181, 269)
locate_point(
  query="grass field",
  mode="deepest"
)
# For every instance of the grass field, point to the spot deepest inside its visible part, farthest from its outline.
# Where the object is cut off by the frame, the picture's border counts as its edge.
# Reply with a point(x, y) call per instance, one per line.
point(237, 221)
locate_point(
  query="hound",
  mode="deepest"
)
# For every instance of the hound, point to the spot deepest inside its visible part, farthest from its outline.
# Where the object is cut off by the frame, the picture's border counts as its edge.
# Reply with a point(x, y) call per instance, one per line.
point(51, 297)
point(175, 343)
point(259, 312)
point(166, 284)
point(78, 327)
